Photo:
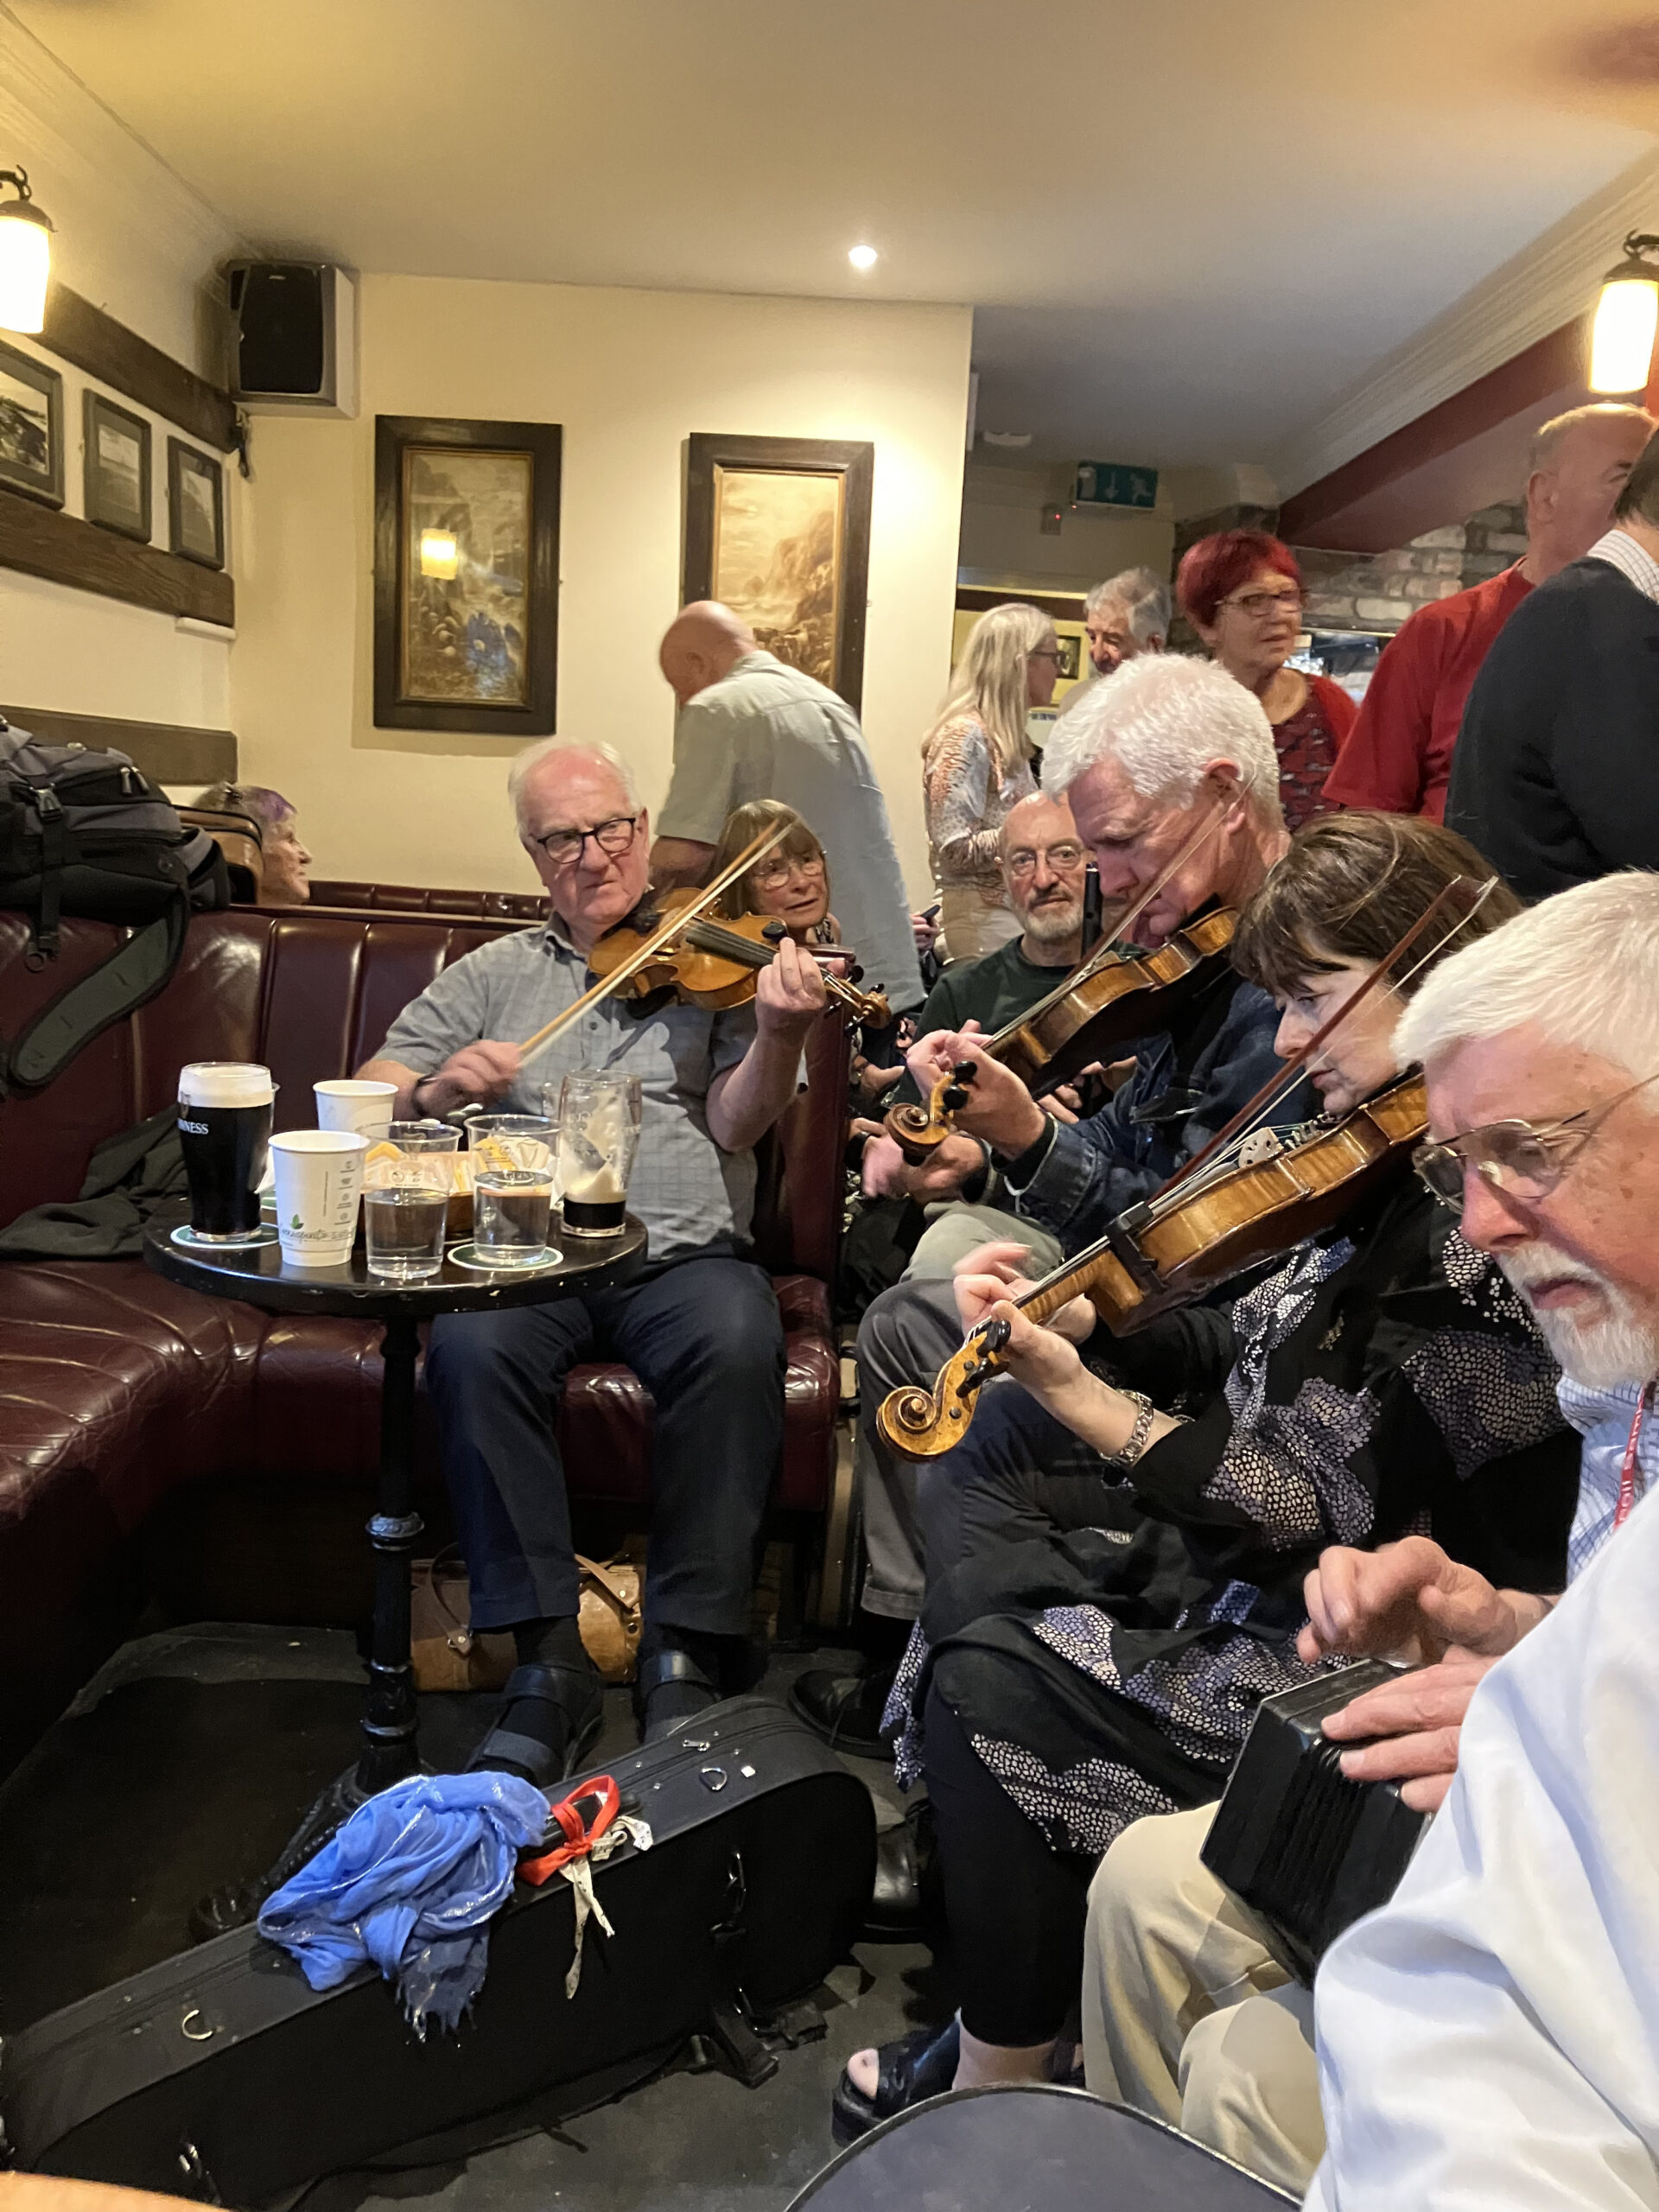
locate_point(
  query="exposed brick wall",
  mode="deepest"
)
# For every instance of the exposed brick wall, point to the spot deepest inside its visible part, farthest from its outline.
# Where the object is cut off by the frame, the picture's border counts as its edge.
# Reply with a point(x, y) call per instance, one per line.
point(1377, 591)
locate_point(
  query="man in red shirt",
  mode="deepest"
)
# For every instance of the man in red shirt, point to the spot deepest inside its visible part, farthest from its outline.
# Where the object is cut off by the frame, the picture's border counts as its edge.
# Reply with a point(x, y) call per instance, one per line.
point(1398, 755)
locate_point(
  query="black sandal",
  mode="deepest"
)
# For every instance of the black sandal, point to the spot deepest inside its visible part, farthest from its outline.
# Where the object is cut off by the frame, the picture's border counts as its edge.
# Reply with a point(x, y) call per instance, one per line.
point(657, 1670)
point(579, 1694)
point(920, 2065)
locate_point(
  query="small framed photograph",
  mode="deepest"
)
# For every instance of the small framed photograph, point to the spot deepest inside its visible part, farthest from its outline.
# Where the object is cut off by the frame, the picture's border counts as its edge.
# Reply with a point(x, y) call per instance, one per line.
point(118, 469)
point(196, 505)
point(31, 428)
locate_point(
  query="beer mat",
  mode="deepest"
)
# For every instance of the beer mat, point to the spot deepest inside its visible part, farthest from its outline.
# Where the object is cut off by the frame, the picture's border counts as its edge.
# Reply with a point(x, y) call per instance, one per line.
point(187, 1236)
point(466, 1256)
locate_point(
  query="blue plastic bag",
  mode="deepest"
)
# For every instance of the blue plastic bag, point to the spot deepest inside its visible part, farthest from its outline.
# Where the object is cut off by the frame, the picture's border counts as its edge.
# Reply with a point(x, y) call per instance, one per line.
point(410, 1882)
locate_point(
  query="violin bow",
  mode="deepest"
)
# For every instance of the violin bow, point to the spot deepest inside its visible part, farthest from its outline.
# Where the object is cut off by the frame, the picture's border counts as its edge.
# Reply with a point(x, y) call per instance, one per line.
point(653, 944)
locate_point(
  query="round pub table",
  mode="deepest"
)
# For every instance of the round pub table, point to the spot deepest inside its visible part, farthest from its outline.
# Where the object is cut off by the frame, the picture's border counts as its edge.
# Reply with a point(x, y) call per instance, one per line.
point(259, 1276)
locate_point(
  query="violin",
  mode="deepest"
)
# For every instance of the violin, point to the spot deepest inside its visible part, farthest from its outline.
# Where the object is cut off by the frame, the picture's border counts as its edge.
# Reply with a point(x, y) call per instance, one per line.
point(1179, 1243)
point(710, 961)
point(1109, 1001)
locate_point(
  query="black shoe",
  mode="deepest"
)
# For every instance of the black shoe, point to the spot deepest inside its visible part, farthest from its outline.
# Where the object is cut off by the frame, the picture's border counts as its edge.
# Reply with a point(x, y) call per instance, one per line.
point(670, 1690)
point(903, 1901)
point(845, 1709)
point(577, 1694)
point(919, 2066)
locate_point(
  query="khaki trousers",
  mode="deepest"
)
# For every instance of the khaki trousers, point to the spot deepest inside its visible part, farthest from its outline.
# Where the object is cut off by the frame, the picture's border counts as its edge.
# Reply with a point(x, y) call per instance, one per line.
point(1186, 2014)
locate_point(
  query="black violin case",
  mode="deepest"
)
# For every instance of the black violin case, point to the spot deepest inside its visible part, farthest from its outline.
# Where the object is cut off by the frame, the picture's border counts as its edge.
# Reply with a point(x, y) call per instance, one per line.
point(220, 2073)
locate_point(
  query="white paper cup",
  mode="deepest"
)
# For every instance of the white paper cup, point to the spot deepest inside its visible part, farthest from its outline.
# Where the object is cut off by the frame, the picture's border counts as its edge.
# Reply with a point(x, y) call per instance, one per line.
point(319, 1182)
point(343, 1102)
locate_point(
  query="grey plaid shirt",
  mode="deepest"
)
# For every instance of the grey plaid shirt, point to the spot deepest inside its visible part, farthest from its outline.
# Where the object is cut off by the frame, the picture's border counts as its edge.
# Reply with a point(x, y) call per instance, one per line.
point(687, 1192)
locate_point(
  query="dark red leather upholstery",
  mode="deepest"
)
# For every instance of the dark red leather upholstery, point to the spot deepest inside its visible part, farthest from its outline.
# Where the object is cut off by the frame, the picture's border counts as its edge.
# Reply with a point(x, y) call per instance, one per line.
point(119, 1391)
point(418, 899)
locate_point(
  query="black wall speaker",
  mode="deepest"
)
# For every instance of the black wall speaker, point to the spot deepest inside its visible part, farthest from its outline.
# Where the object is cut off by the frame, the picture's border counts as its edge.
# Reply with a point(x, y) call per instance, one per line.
point(292, 332)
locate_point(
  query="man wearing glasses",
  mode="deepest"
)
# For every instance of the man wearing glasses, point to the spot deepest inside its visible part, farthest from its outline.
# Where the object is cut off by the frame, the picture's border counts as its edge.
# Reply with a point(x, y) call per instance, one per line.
point(752, 725)
point(1454, 2069)
point(699, 1326)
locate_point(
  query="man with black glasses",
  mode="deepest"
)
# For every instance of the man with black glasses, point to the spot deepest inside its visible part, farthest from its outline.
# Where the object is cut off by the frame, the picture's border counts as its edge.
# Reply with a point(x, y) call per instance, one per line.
point(700, 1326)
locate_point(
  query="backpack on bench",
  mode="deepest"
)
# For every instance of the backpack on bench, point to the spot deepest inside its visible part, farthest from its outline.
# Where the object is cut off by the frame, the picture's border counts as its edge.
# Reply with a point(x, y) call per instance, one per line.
point(84, 833)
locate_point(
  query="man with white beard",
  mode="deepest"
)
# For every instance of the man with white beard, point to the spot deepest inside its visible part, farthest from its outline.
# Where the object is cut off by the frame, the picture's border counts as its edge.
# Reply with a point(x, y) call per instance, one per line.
point(1492, 2035)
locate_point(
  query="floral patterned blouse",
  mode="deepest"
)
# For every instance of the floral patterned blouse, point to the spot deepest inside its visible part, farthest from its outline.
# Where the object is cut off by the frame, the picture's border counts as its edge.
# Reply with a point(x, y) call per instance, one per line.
point(967, 801)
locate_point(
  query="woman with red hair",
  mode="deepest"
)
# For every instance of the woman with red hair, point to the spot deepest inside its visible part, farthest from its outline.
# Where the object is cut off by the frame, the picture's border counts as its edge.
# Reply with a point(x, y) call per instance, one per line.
point(1241, 591)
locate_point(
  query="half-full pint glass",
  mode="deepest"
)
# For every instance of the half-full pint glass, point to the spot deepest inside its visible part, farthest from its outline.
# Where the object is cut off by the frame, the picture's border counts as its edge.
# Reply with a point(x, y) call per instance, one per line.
point(225, 1133)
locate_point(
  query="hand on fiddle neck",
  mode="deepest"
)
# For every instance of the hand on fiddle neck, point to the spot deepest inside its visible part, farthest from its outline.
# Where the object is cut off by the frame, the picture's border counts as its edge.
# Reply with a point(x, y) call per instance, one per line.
point(994, 1274)
point(1000, 1109)
point(789, 994)
point(887, 1174)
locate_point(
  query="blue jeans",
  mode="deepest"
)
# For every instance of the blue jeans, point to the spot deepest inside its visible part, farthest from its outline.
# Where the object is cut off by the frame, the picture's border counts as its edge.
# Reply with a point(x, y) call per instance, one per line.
point(705, 1338)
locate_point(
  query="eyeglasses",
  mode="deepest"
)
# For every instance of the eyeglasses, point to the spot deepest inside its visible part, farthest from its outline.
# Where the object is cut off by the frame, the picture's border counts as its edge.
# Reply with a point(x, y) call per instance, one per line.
point(564, 847)
point(1047, 652)
point(768, 875)
point(1058, 856)
point(1524, 1160)
point(1263, 605)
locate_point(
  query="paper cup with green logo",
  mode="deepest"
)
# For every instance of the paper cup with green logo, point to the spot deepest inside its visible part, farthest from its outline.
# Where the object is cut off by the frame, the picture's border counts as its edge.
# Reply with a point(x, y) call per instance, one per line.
point(319, 1181)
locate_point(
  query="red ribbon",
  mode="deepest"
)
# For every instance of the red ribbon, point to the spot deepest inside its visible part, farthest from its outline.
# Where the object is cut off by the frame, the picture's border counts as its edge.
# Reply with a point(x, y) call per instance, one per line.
point(580, 1836)
point(1627, 1472)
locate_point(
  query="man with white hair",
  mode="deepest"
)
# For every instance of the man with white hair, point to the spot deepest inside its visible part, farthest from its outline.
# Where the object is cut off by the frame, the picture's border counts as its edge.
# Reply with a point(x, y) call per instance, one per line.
point(699, 1324)
point(1174, 782)
point(1129, 613)
point(1488, 2037)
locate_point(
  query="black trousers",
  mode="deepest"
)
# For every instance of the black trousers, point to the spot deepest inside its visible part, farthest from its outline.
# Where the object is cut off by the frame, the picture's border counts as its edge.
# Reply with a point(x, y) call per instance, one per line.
point(705, 1338)
point(1016, 1909)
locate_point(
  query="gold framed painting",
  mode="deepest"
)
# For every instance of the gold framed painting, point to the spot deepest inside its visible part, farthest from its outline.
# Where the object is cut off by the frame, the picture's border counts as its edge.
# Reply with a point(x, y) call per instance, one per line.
point(779, 530)
point(466, 574)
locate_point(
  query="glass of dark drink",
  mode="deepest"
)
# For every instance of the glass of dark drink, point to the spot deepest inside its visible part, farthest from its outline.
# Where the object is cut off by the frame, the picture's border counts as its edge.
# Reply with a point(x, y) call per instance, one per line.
point(225, 1108)
point(599, 1132)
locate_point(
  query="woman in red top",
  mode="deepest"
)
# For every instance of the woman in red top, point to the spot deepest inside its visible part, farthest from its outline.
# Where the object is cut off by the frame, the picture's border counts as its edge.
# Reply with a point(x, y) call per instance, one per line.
point(1241, 591)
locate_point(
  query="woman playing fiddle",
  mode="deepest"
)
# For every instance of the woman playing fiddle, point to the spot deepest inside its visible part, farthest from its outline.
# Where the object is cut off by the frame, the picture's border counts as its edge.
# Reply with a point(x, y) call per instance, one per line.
point(1116, 1551)
point(791, 881)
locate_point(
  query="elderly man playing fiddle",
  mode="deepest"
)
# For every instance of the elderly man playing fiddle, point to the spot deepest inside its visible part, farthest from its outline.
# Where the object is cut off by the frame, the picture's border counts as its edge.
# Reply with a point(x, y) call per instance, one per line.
point(1170, 770)
point(699, 1325)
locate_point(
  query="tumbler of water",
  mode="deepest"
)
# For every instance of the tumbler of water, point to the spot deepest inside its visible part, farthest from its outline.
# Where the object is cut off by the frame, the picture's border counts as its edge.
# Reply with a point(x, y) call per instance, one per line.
point(408, 1180)
point(511, 1209)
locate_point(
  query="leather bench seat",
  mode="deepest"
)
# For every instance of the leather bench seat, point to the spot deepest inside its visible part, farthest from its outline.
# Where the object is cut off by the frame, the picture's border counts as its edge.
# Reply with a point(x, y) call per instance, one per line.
point(126, 1401)
point(419, 898)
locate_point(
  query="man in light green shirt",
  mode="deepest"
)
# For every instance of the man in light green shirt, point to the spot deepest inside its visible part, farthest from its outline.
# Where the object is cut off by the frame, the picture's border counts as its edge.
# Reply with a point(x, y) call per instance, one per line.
point(751, 726)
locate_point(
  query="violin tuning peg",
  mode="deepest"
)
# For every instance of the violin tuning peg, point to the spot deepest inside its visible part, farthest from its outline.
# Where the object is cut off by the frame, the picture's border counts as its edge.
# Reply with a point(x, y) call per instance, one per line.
point(954, 1099)
point(855, 975)
point(774, 933)
point(964, 1071)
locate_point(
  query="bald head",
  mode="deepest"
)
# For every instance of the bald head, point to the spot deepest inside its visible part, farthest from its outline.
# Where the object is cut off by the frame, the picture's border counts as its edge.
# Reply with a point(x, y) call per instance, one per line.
point(703, 642)
point(1579, 465)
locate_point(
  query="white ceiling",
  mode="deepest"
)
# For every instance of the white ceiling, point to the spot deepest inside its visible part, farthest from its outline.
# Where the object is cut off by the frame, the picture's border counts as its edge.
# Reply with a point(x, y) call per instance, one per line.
point(1186, 225)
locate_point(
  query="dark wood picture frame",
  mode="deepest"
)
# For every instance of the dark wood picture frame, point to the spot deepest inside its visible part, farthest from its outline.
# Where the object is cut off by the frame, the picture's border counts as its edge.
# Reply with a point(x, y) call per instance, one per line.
point(41, 481)
point(708, 456)
point(184, 461)
point(531, 658)
point(107, 513)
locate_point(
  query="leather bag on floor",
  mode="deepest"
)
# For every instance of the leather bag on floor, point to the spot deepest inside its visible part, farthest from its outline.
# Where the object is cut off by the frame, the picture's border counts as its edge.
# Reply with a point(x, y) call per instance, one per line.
point(220, 2073)
point(449, 1655)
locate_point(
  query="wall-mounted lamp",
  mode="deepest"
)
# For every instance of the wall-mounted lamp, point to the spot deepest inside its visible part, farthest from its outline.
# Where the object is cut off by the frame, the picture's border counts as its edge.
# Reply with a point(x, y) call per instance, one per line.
point(1627, 317)
point(25, 256)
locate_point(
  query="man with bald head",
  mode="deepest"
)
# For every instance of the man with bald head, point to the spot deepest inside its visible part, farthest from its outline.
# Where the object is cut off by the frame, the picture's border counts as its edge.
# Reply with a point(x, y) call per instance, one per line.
point(750, 726)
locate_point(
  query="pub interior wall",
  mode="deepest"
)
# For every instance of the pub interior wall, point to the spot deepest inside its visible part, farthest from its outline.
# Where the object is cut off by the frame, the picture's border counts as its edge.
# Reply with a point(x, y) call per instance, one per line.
point(629, 374)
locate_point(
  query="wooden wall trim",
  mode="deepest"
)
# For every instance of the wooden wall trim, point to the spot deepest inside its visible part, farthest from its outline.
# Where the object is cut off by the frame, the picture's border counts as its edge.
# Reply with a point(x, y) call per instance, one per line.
point(44, 542)
point(169, 752)
point(978, 599)
point(81, 333)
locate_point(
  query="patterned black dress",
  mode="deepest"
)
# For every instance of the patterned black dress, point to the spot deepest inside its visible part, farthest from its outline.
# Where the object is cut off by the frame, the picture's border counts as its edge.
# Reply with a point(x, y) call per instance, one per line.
point(1104, 1642)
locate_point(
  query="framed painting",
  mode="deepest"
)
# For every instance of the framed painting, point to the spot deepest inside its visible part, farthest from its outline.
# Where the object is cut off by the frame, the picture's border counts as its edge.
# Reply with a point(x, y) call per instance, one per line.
point(466, 574)
point(196, 505)
point(117, 467)
point(779, 530)
point(31, 428)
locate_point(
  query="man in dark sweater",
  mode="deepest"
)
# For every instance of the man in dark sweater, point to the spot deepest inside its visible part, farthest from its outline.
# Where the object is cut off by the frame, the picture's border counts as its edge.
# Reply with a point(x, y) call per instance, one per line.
point(1555, 778)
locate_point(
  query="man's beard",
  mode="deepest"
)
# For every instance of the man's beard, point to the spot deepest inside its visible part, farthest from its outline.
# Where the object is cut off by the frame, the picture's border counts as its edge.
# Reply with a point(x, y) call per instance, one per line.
point(1054, 920)
point(1601, 1353)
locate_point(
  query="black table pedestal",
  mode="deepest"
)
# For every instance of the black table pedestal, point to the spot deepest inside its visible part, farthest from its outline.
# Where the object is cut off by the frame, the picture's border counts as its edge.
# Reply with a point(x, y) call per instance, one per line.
point(388, 1717)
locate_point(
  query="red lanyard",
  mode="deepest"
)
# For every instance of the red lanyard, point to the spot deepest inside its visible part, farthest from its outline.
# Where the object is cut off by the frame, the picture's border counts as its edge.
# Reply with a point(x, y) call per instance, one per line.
point(1627, 1472)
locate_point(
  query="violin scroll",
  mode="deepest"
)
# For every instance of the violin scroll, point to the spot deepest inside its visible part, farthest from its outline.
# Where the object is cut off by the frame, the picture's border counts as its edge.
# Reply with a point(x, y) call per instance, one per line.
point(918, 1131)
point(925, 1425)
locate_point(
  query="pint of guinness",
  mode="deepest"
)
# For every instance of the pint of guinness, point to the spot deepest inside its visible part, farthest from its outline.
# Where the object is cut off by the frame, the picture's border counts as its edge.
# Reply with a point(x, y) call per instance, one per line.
point(225, 1108)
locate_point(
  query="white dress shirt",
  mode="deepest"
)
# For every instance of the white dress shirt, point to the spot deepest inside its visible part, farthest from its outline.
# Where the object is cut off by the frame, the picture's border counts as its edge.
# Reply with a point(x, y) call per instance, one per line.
point(1488, 2041)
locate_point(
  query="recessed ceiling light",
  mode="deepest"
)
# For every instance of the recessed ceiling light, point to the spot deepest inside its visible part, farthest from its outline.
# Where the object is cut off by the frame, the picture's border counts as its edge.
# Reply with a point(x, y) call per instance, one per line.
point(863, 257)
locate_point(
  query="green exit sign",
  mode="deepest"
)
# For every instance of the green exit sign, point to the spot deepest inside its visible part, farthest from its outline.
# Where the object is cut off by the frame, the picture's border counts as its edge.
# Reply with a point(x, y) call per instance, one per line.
point(1115, 484)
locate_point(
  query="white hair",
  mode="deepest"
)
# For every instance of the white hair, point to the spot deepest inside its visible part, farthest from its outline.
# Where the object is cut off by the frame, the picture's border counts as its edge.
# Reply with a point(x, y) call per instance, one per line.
point(1163, 719)
point(588, 748)
point(1583, 966)
point(1144, 598)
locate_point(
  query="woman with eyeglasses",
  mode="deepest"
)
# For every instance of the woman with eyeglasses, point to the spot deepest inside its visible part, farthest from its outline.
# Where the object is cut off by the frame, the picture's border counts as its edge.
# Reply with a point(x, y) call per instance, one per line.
point(791, 881)
point(1116, 1551)
point(976, 767)
point(1241, 591)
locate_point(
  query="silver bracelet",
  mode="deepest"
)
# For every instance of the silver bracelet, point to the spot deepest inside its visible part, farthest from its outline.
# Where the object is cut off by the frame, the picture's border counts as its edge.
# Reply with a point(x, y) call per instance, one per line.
point(1138, 1435)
